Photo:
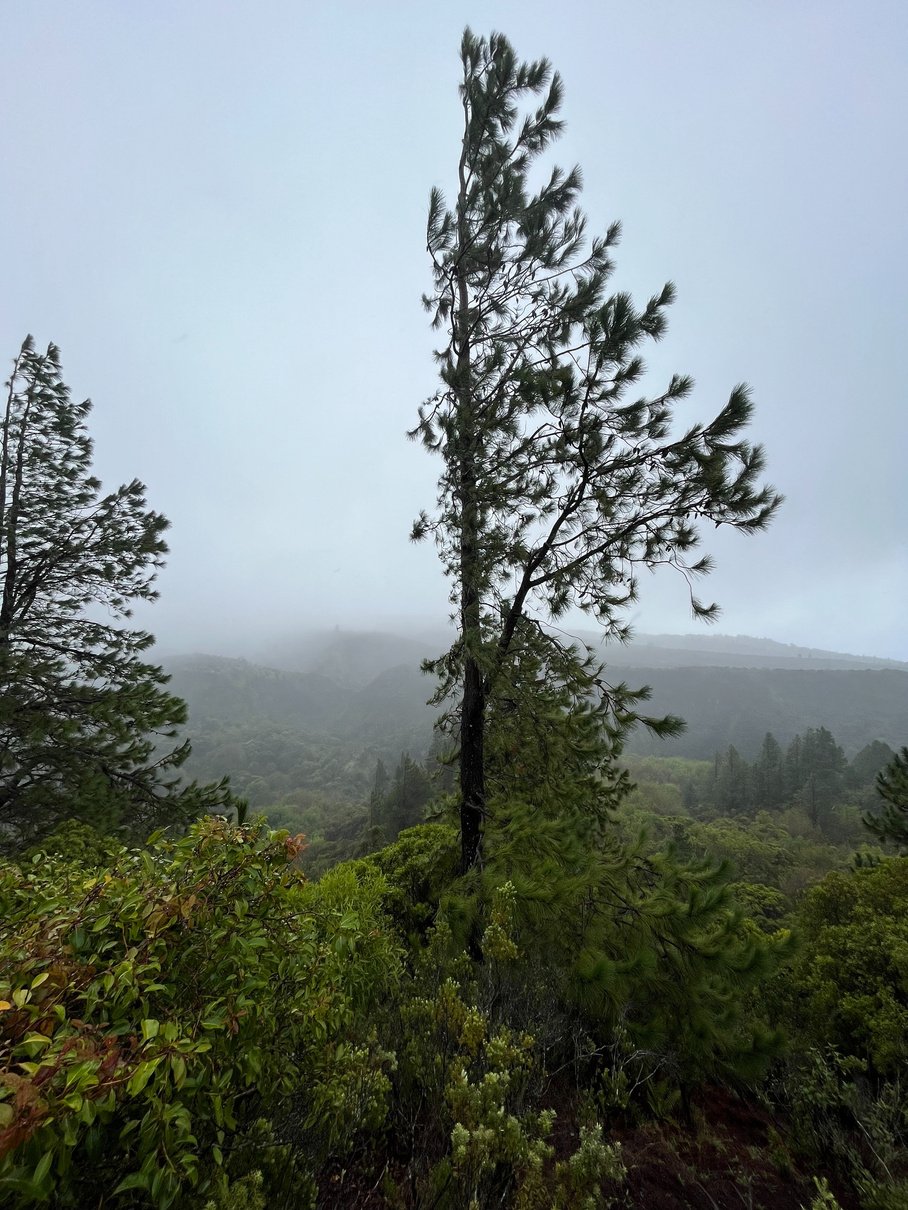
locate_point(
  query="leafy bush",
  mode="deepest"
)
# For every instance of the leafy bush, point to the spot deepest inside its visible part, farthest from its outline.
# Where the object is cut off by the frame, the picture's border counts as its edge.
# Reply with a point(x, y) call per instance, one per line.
point(850, 985)
point(151, 1012)
point(418, 868)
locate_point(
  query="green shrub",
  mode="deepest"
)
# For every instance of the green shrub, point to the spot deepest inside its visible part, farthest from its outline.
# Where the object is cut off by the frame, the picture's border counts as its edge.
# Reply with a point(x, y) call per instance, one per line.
point(152, 1011)
point(418, 868)
point(849, 987)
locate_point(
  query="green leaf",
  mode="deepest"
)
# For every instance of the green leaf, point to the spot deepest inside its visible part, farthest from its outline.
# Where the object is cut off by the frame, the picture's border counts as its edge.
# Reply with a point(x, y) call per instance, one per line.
point(43, 1167)
point(40, 1039)
point(142, 1075)
point(178, 1066)
point(135, 1180)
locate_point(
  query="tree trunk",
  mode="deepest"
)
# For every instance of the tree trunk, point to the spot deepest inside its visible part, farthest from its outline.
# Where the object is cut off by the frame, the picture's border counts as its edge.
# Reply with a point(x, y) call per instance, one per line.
point(472, 764)
point(473, 706)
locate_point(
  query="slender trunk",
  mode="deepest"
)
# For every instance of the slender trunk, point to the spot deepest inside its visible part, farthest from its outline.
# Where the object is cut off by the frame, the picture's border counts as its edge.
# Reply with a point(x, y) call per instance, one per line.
point(473, 708)
point(472, 764)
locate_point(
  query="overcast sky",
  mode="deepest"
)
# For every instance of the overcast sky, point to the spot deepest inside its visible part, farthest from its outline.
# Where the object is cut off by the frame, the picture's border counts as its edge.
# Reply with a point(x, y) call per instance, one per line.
point(217, 211)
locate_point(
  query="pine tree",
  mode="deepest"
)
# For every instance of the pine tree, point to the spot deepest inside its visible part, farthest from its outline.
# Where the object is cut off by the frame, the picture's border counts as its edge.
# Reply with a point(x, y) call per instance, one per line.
point(378, 792)
point(868, 763)
point(767, 776)
point(892, 786)
point(823, 765)
point(733, 783)
point(793, 768)
point(555, 488)
point(405, 797)
point(82, 715)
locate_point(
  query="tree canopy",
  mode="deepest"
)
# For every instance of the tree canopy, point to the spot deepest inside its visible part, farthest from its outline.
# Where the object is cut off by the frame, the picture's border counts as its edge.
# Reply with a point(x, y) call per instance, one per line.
point(85, 720)
point(556, 486)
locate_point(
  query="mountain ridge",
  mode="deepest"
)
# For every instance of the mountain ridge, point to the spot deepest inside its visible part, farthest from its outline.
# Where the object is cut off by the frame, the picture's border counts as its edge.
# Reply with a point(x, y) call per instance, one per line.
point(372, 698)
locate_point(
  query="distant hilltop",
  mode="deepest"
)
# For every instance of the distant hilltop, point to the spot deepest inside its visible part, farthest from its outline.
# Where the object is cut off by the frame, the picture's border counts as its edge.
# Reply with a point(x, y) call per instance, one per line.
point(355, 657)
point(728, 651)
point(365, 689)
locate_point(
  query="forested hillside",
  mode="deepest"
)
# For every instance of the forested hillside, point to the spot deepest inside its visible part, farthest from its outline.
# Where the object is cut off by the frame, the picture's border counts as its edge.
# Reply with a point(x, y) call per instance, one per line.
point(278, 731)
point(723, 706)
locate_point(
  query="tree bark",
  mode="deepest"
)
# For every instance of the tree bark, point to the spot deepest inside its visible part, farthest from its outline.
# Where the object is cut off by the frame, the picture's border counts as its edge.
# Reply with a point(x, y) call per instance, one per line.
point(472, 764)
point(473, 707)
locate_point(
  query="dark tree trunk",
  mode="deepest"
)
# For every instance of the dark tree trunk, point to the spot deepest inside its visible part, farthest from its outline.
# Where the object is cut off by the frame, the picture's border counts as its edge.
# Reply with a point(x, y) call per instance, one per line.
point(472, 764)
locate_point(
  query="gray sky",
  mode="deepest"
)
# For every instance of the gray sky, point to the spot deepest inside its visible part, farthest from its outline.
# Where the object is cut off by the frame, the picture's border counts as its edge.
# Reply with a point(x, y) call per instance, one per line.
point(217, 210)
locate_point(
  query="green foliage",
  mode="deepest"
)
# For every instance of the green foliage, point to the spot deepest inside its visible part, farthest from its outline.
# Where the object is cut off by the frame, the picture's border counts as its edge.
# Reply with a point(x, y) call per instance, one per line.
point(849, 986)
point(825, 1198)
point(868, 763)
point(77, 843)
point(892, 785)
point(758, 850)
point(657, 948)
point(555, 489)
point(398, 802)
point(578, 1180)
point(482, 1078)
point(243, 1194)
point(153, 1010)
point(418, 869)
point(86, 723)
point(858, 1125)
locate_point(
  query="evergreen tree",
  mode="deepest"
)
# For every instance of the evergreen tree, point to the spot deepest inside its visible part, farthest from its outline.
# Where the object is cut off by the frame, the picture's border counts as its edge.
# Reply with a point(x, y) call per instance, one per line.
point(869, 763)
point(378, 792)
point(406, 793)
point(793, 768)
point(555, 488)
point(892, 786)
point(732, 791)
point(82, 714)
point(823, 766)
point(440, 764)
point(767, 775)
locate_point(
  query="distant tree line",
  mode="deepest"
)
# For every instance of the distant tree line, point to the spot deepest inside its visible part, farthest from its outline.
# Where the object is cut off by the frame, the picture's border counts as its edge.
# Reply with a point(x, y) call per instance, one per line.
point(812, 772)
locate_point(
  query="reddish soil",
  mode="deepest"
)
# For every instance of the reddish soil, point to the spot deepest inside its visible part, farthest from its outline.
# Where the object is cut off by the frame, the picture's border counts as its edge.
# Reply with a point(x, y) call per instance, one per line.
point(732, 1156)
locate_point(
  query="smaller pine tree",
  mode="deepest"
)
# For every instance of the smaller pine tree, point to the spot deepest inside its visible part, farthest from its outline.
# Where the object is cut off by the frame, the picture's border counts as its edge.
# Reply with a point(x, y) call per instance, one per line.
point(892, 786)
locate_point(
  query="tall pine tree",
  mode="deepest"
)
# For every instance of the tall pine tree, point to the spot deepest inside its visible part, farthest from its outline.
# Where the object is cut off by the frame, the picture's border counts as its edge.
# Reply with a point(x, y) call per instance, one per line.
point(83, 716)
point(555, 487)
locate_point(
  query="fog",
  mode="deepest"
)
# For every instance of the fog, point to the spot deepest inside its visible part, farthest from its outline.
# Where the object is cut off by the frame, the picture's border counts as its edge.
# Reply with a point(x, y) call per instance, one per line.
point(217, 211)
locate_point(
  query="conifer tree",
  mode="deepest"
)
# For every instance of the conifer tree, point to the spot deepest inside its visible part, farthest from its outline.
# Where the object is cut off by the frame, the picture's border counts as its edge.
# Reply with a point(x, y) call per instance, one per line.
point(732, 783)
point(823, 765)
point(892, 786)
point(767, 774)
point(868, 763)
point(556, 488)
point(405, 797)
point(378, 792)
point(82, 715)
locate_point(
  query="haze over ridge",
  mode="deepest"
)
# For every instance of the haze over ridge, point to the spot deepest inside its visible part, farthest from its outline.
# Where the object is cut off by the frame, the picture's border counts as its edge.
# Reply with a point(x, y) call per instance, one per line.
point(229, 251)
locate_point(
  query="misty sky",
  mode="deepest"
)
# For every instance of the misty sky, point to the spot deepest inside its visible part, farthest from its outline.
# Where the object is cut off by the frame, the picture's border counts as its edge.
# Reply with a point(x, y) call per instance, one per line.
point(217, 211)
